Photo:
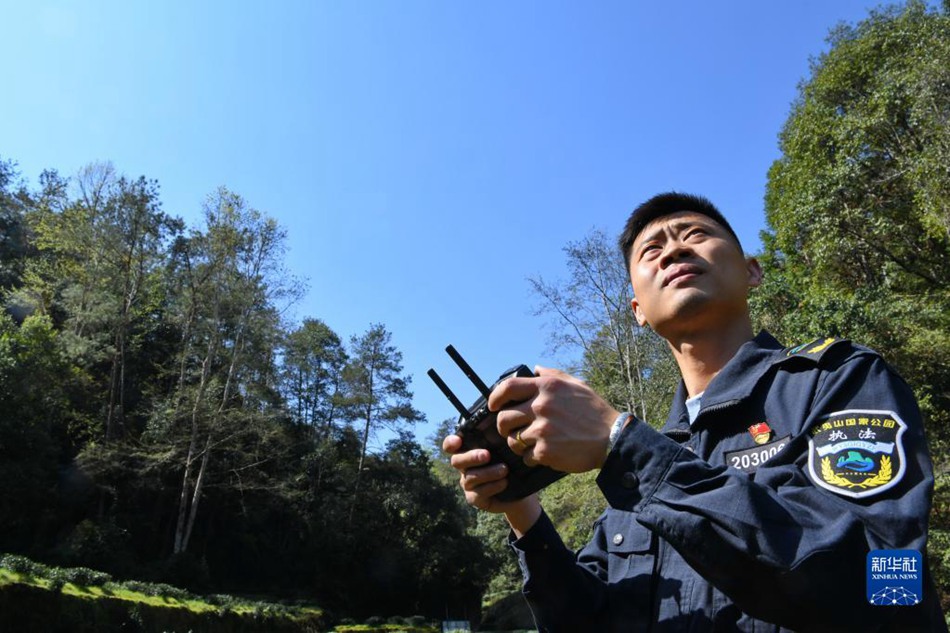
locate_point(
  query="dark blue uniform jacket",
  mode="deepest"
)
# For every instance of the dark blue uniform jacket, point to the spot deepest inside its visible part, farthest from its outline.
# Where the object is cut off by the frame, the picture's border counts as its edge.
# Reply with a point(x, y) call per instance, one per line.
point(710, 529)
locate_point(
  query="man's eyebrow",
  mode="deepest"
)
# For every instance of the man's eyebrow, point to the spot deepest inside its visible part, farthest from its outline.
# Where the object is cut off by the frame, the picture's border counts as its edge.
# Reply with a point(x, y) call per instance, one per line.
point(676, 225)
point(649, 234)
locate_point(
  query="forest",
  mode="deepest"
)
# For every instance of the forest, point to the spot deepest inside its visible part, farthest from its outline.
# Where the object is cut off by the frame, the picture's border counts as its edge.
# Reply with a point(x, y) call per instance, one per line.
point(161, 420)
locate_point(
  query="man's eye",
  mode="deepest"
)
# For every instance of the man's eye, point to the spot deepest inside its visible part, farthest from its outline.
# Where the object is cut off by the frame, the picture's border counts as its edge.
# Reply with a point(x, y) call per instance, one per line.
point(649, 251)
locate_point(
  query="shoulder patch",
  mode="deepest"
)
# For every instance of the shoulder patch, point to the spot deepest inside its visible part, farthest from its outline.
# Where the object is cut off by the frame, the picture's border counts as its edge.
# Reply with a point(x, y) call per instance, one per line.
point(814, 349)
point(857, 453)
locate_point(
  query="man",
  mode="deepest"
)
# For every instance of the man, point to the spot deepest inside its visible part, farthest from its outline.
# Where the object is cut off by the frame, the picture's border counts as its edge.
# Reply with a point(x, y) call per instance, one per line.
point(756, 506)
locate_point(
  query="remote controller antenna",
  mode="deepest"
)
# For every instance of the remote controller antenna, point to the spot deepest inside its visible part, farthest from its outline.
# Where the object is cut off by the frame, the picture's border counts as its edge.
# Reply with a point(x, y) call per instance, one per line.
point(448, 393)
point(468, 371)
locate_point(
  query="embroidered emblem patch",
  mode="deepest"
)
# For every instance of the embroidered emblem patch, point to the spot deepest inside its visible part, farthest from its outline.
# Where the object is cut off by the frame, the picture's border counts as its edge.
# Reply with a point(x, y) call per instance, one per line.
point(857, 453)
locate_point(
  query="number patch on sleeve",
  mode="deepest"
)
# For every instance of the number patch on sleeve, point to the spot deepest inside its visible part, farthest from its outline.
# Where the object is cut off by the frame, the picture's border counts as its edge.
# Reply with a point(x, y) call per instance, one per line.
point(749, 459)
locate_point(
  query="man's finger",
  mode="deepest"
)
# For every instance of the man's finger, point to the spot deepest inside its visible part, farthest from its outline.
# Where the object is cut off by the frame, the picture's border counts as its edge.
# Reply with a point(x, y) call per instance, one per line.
point(555, 373)
point(518, 440)
point(451, 444)
point(470, 459)
point(512, 390)
point(510, 419)
point(474, 478)
point(484, 497)
point(527, 456)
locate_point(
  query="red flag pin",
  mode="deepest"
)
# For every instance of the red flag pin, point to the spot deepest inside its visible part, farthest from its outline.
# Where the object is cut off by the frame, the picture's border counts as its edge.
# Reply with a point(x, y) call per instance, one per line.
point(760, 432)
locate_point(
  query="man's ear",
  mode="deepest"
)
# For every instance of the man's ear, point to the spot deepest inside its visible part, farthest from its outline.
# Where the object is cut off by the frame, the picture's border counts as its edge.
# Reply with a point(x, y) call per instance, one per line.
point(755, 272)
point(638, 313)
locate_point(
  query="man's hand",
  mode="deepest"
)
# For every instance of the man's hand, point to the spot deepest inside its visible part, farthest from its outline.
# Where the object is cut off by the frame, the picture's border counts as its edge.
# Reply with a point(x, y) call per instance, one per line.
point(481, 481)
point(559, 422)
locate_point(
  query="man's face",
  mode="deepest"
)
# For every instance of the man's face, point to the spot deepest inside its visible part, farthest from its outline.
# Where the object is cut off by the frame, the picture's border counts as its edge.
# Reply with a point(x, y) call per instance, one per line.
point(688, 274)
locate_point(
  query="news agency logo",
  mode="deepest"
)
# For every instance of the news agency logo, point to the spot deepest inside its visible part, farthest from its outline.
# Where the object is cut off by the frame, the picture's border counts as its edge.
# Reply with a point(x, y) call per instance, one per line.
point(895, 577)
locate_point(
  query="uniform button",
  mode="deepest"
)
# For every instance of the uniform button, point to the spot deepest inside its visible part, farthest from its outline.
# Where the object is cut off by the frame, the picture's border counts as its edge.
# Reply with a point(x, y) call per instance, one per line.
point(629, 481)
point(618, 539)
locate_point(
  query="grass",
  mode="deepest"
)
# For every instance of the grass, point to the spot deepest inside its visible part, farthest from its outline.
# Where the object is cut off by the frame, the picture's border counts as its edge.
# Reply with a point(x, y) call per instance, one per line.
point(8, 577)
point(154, 595)
point(110, 590)
point(382, 628)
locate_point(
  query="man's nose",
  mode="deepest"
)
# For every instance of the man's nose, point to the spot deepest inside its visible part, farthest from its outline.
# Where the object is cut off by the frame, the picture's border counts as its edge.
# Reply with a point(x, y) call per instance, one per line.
point(673, 251)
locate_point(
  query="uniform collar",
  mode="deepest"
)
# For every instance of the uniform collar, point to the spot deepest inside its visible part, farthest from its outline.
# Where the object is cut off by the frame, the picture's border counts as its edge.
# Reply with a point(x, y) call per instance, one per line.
point(734, 382)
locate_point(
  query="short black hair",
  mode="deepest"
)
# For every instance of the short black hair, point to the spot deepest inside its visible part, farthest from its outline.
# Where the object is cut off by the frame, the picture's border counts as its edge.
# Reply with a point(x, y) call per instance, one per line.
point(665, 204)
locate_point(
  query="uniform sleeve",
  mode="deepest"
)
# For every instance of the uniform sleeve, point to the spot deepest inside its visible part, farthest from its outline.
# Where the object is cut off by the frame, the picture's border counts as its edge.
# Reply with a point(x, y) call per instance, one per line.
point(565, 592)
point(783, 548)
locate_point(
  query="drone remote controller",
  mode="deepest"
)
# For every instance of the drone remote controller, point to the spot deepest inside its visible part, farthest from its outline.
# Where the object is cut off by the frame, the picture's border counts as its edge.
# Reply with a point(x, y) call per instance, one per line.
point(478, 429)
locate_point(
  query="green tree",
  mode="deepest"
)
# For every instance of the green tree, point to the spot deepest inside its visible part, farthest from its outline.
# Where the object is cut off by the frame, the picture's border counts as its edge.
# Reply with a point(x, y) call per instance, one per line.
point(34, 408)
point(378, 394)
point(232, 281)
point(408, 545)
point(858, 207)
point(96, 274)
point(858, 212)
point(312, 375)
point(13, 242)
point(441, 461)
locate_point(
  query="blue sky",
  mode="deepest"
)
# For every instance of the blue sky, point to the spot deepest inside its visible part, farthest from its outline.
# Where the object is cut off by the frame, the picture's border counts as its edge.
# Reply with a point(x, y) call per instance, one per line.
point(425, 158)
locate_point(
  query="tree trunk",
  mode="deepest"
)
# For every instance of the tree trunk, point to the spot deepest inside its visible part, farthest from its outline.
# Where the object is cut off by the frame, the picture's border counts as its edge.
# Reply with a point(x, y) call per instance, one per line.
point(196, 497)
point(359, 469)
point(180, 540)
point(184, 527)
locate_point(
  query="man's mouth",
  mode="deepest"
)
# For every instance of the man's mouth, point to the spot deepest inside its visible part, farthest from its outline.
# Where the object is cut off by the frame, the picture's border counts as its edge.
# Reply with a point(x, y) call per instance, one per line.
point(680, 272)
